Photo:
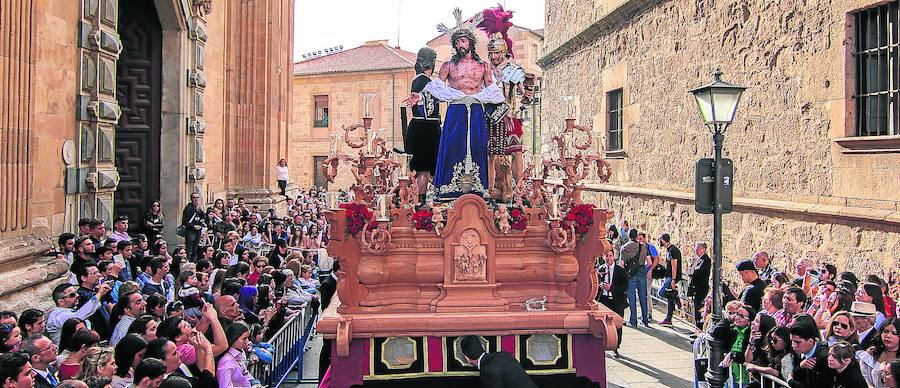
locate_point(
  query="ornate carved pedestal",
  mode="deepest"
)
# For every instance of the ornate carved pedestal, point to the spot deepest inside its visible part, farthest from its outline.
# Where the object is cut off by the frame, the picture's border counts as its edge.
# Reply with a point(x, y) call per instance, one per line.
point(411, 301)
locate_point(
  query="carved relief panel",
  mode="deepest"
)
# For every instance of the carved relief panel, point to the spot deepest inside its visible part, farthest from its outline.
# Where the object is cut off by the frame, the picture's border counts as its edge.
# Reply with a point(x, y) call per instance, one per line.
point(469, 257)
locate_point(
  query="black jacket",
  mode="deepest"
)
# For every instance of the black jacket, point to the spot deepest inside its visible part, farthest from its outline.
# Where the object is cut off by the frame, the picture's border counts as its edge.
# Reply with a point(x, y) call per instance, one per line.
point(724, 332)
point(850, 378)
point(192, 216)
point(327, 290)
point(866, 342)
point(40, 382)
point(820, 376)
point(753, 293)
point(616, 298)
point(700, 279)
point(200, 379)
point(501, 370)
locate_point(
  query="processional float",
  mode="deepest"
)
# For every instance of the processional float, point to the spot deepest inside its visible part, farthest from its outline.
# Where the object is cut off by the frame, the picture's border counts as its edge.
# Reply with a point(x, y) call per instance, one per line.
point(521, 276)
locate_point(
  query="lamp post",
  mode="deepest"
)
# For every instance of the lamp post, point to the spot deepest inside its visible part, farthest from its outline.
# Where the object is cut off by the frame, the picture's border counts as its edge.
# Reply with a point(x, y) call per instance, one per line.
point(717, 103)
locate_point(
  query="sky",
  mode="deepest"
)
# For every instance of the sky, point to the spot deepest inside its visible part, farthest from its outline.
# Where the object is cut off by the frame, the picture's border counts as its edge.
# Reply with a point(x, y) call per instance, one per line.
point(320, 24)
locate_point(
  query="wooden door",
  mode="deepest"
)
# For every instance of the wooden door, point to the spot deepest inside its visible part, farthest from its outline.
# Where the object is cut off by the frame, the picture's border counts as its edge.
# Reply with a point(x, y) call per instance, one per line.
point(139, 91)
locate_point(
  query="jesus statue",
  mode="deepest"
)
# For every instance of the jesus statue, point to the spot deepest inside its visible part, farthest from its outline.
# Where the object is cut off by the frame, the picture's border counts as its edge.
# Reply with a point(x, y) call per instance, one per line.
point(466, 84)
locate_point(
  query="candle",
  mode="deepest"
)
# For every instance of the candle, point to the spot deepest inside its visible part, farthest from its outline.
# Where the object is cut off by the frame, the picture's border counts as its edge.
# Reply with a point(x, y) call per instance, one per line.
point(554, 207)
point(370, 143)
point(570, 106)
point(367, 104)
point(381, 199)
point(331, 198)
point(404, 165)
point(334, 144)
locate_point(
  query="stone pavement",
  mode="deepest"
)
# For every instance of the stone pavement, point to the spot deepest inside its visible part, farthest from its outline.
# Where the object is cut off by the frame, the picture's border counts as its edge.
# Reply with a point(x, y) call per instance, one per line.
point(658, 356)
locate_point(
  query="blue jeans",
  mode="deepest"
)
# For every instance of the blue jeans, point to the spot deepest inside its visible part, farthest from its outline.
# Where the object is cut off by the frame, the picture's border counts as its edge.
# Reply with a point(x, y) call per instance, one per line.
point(667, 283)
point(637, 289)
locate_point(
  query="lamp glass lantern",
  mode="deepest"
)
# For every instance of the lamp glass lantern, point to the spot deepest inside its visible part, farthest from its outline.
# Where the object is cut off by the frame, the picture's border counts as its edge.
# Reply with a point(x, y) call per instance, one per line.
point(718, 100)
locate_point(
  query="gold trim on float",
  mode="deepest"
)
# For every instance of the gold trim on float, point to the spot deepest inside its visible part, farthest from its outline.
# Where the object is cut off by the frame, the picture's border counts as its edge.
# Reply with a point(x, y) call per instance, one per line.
point(372, 374)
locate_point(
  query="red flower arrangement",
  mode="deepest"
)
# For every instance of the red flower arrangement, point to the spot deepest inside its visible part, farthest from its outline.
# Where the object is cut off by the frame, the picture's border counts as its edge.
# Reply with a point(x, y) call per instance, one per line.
point(357, 216)
point(422, 220)
point(582, 216)
point(518, 220)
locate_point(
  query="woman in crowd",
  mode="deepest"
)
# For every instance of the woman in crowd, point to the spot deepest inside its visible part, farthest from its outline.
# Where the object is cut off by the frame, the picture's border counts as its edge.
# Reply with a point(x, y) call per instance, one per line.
point(842, 361)
point(297, 238)
point(69, 328)
point(128, 353)
point(313, 238)
point(9, 337)
point(78, 347)
point(871, 293)
point(841, 327)
point(154, 221)
point(145, 326)
point(97, 362)
point(281, 174)
point(734, 332)
point(156, 306)
point(232, 367)
point(890, 306)
point(884, 349)
point(776, 360)
point(779, 279)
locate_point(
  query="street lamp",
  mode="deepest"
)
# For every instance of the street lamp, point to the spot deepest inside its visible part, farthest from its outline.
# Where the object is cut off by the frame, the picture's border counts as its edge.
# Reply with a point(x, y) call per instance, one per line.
point(717, 103)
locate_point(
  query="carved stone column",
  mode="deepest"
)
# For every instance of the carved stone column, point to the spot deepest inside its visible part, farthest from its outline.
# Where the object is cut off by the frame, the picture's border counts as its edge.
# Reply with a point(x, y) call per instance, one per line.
point(195, 171)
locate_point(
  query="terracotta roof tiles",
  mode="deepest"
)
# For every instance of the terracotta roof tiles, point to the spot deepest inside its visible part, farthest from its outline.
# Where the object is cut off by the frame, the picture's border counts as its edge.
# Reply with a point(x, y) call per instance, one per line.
point(369, 57)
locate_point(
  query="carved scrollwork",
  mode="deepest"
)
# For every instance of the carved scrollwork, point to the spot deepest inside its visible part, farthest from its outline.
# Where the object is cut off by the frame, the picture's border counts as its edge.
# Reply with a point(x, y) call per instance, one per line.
point(378, 240)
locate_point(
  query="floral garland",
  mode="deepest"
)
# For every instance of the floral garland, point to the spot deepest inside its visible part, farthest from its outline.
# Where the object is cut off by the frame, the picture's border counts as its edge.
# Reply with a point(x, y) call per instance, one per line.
point(422, 220)
point(357, 216)
point(582, 216)
point(518, 219)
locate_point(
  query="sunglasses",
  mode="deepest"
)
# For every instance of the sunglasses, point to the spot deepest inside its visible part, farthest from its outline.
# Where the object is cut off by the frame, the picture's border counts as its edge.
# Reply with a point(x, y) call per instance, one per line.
point(71, 295)
point(842, 325)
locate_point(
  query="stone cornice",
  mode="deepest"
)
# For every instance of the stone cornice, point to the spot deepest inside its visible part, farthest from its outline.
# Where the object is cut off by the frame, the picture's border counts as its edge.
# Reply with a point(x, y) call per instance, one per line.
point(832, 213)
point(606, 21)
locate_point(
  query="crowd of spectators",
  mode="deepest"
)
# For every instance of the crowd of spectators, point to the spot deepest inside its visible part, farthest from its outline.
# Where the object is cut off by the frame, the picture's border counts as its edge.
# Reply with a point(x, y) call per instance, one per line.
point(812, 326)
point(132, 312)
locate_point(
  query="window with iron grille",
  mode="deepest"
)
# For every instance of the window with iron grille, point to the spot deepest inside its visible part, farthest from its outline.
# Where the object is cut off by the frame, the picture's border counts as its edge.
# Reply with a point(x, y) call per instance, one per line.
point(614, 122)
point(321, 111)
point(877, 71)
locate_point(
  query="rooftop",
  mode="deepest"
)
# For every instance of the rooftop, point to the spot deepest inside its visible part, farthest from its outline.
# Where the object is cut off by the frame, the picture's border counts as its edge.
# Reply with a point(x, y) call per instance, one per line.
point(373, 56)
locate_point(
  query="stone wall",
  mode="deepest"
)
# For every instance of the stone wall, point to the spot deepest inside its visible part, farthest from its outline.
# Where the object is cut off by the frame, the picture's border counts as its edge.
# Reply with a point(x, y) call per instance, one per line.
point(786, 141)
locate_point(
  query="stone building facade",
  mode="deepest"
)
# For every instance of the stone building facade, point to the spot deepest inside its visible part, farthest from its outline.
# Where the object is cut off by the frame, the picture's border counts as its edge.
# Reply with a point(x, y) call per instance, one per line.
point(334, 86)
point(807, 181)
point(112, 104)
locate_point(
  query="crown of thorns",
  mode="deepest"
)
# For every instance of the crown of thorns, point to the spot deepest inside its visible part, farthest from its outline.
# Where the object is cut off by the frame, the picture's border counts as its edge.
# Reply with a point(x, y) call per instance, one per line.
point(462, 27)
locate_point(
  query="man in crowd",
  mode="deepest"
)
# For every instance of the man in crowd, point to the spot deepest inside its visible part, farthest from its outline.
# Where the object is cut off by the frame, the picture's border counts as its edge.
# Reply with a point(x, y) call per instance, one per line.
point(193, 219)
point(89, 288)
point(132, 305)
point(810, 357)
point(652, 262)
point(763, 266)
point(793, 301)
point(495, 370)
point(699, 285)
point(31, 322)
point(613, 285)
point(634, 254)
point(15, 370)
point(42, 355)
point(805, 278)
point(65, 298)
point(669, 288)
point(125, 259)
point(66, 243)
point(97, 232)
point(863, 315)
point(120, 230)
point(754, 287)
point(157, 284)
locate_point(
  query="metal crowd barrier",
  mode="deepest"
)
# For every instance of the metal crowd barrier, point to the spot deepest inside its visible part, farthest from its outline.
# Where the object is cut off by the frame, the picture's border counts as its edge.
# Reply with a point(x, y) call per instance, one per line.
point(289, 346)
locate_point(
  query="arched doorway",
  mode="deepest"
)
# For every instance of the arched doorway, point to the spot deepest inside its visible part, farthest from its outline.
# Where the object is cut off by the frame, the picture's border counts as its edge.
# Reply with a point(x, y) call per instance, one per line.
point(139, 93)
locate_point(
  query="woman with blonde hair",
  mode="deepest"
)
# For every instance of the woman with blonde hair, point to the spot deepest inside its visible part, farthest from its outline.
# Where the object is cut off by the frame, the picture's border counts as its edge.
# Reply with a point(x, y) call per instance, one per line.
point(98, 361)
point(841, 328)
